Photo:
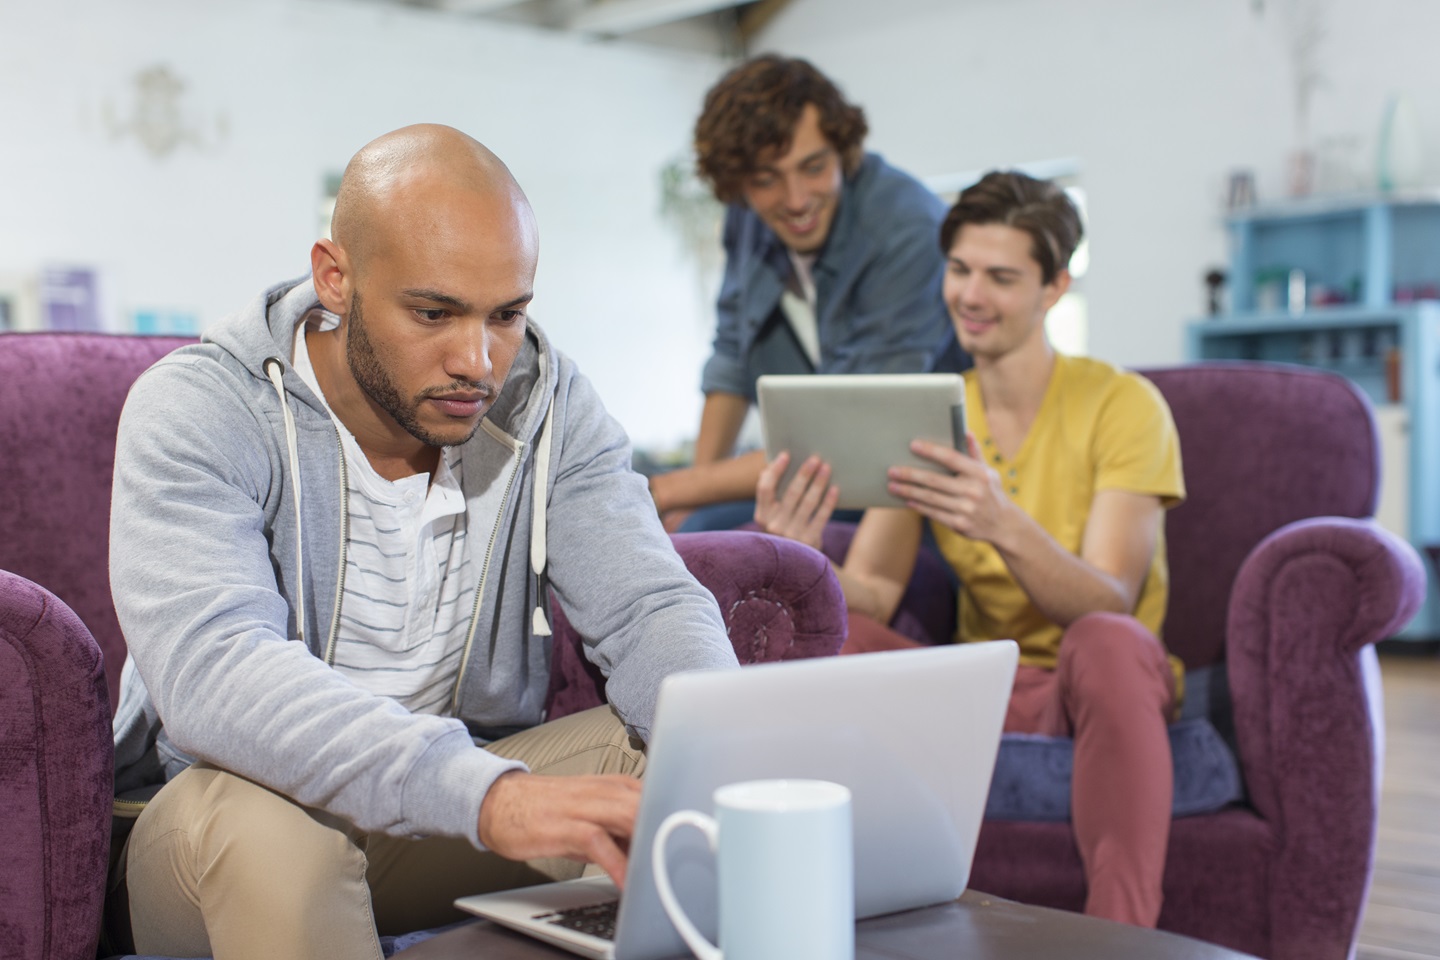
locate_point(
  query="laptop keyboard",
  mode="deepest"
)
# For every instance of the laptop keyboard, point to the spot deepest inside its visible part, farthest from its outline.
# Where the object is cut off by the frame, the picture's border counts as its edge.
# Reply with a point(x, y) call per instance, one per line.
point(596, 919)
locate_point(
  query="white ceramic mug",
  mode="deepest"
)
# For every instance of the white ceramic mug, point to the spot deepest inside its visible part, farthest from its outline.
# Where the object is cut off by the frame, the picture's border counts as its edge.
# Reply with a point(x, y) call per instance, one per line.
point(785, 861)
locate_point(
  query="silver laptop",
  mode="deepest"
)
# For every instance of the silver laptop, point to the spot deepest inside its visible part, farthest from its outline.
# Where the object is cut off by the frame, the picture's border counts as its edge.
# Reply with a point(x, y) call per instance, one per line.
point(912, 733)
point(861, 424)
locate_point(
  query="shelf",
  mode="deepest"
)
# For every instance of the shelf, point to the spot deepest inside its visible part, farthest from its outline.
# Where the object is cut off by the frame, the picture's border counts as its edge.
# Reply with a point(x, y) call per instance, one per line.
point(1366, 249)
point(1315, 318)
point(1369, 347)
point(1332, 206)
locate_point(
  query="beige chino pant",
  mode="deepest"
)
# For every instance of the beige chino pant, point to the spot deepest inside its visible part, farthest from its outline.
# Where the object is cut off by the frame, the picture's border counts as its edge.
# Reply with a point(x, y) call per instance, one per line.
point(220, 866)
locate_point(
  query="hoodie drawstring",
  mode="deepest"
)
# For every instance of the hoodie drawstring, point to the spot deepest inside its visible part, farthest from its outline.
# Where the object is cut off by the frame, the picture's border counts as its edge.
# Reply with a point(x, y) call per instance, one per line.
point(275, 370)
point(539, 625)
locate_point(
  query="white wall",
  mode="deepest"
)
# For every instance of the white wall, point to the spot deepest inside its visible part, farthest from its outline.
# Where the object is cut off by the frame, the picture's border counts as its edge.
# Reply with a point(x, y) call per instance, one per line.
point(299, 85)
point(1159, 99)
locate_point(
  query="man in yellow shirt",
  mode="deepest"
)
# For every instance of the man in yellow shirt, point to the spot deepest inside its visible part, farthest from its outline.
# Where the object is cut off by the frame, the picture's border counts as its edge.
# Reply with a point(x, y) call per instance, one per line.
point(1053, 523)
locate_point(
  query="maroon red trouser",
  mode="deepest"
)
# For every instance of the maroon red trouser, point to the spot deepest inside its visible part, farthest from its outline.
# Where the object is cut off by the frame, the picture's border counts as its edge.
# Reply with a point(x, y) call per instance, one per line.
point(1112, 691)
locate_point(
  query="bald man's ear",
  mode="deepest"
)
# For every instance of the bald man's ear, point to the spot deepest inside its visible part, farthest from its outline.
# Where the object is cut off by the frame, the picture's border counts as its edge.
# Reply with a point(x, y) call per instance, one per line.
point(331, 270)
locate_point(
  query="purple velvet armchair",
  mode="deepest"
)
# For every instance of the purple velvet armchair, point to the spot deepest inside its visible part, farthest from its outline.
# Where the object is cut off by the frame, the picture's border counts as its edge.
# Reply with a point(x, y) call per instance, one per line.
point(1281, 583)
point(1280, 586)
point(61, 649)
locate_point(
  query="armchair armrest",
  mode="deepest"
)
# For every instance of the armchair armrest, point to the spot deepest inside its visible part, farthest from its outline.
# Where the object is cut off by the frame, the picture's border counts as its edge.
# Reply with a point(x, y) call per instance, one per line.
point(1308, 604)
point(56, 773)
point(780, 601)
point(1307, 601)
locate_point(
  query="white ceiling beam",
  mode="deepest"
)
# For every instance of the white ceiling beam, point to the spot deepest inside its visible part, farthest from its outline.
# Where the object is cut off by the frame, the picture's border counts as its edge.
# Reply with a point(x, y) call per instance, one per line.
point(475, 6)
point(627, 16)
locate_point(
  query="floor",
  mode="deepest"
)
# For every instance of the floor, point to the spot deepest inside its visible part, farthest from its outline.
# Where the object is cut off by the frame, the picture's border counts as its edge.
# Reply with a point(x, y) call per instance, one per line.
point(1402, 916)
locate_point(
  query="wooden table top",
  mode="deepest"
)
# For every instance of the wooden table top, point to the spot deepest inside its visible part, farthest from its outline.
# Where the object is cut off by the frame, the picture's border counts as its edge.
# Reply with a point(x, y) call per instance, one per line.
point(975, 927)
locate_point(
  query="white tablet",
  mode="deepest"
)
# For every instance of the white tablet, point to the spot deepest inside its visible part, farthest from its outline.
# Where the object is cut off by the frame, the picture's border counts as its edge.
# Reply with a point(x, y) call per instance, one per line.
point(860, 424)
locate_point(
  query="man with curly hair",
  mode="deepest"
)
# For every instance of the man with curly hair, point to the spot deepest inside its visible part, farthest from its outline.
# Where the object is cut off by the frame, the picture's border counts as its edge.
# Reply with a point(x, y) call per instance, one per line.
point(831, 266)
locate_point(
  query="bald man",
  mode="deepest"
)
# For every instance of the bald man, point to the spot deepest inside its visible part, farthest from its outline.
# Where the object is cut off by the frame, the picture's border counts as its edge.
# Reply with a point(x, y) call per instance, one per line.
point(335, 524)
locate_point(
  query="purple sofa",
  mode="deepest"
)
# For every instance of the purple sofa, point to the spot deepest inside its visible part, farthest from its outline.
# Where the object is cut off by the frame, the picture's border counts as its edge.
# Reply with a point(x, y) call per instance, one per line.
point(61, 648)
point(1280, 586)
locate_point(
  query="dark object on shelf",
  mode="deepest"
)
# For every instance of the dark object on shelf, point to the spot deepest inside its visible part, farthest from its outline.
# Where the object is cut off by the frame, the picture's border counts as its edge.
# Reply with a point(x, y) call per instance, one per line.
point(1326, 296)
point(1214, 283)
point(1419, 291)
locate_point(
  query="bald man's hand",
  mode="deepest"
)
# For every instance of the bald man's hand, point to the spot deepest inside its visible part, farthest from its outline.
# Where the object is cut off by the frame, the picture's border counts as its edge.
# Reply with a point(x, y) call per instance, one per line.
point(590, 819)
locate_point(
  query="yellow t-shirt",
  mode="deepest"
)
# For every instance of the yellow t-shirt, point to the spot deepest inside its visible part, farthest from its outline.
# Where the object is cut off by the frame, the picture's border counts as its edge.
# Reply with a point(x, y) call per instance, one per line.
point(1098, 428)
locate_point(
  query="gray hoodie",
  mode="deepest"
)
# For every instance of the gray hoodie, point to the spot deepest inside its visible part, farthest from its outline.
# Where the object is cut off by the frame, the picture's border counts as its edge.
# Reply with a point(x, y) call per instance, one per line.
point(227, 557)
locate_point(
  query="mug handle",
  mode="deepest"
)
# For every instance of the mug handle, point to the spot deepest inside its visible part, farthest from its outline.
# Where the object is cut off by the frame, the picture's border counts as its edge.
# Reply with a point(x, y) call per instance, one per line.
point(696, 941)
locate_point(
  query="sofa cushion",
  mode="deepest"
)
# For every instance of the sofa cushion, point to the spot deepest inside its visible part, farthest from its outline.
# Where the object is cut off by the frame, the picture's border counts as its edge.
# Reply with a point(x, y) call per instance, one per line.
point(1032, 774)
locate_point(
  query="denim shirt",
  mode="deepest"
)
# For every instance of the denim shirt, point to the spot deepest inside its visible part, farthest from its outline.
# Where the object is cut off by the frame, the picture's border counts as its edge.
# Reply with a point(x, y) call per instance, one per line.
point(877, 282)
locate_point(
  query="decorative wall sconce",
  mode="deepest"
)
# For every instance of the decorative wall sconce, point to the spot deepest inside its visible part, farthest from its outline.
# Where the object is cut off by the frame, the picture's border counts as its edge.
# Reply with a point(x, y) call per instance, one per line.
point(156, 118)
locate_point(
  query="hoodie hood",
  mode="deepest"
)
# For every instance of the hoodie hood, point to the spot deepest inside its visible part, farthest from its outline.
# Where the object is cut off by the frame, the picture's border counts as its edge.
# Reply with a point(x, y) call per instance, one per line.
point(518, 411)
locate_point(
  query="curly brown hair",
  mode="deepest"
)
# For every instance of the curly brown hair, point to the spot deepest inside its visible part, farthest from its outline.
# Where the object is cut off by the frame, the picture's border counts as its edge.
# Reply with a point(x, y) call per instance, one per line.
point(1018, 200)
point(753, 110)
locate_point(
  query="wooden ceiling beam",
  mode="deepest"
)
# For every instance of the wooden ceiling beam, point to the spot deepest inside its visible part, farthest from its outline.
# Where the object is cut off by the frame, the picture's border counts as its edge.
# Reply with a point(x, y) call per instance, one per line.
point(757, 17)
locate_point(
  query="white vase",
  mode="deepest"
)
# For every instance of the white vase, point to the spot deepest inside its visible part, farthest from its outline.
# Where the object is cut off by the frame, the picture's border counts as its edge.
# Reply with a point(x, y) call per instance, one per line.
point(1400, 163)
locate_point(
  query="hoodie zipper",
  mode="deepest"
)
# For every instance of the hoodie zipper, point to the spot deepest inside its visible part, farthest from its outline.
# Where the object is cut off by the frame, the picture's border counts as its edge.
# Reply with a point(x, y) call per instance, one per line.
point(484, 576)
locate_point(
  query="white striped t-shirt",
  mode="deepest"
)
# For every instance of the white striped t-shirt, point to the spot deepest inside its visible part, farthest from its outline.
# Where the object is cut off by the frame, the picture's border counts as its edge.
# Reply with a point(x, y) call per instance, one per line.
point(408, 577)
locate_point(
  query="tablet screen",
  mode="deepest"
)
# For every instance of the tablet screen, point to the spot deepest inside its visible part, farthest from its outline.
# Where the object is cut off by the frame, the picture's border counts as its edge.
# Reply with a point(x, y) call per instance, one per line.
point(861, 424)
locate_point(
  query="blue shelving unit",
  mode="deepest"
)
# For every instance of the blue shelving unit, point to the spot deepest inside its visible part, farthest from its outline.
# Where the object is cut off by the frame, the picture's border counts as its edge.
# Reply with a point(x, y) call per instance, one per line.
point(1351, 285)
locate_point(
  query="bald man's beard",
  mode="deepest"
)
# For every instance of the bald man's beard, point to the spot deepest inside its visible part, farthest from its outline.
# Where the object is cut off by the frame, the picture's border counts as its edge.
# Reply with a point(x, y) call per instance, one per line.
point(374, 379)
